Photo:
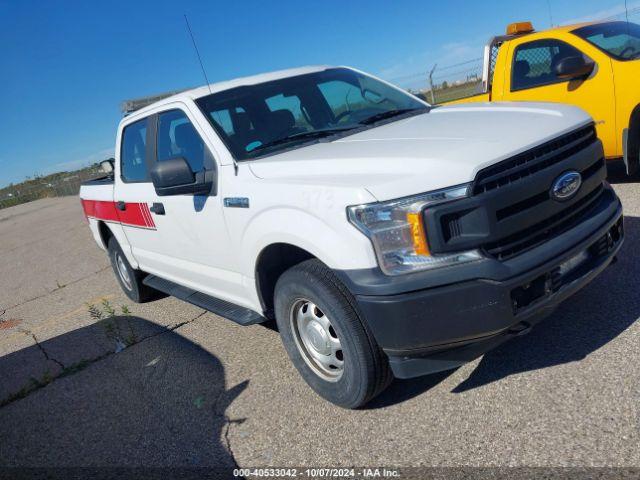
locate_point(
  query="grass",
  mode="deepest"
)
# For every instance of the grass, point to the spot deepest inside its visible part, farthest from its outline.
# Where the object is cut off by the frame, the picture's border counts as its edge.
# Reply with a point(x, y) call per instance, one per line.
point(453, 92)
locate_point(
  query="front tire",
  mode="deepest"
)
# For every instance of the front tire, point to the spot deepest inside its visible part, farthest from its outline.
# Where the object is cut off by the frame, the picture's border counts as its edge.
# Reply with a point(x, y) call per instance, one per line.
point(130, 280)
point(325, 337)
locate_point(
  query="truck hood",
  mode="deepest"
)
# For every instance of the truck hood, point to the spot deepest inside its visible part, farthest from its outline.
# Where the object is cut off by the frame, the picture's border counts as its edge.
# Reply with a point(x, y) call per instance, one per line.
point(442, 148)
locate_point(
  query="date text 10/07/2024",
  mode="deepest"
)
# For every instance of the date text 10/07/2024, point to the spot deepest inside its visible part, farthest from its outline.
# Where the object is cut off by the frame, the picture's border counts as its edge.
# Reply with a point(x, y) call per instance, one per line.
point(317, 472)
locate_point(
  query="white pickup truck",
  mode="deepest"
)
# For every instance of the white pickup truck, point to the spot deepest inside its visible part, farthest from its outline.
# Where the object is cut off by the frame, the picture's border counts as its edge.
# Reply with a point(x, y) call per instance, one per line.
point(385, 237)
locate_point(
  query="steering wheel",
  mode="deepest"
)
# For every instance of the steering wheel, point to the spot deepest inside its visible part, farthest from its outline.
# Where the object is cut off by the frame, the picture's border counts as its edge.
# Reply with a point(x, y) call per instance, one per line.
point(340, 116)
point(629, 49)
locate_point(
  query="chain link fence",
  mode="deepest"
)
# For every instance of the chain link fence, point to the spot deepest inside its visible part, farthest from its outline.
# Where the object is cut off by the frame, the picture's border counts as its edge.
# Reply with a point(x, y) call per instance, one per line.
point(457, 81)
point(57, 185)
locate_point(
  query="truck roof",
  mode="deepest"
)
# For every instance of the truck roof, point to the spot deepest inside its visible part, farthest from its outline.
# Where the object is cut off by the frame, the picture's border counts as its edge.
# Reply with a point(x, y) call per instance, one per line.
point(139, 106)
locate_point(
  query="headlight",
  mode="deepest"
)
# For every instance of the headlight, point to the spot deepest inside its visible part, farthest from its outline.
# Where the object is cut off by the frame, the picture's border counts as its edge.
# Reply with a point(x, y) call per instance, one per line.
point(396, 229)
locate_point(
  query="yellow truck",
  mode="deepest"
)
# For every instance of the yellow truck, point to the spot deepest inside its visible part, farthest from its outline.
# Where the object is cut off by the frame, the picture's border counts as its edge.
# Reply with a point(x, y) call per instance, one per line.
point(595, 66)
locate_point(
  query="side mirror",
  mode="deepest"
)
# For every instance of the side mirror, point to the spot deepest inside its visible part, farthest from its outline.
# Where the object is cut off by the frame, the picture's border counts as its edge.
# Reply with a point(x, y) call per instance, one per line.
point(107, 166)
point(174, 177)
point(572, 68)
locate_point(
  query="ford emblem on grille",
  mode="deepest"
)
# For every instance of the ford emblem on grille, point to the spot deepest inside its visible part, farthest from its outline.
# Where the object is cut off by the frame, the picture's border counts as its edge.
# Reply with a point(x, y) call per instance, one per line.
point(566, 186)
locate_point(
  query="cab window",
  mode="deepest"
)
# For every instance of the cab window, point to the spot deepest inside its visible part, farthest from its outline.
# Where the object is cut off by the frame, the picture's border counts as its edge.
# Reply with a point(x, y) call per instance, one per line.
point(621, 40)
point(134, 152)
point(534, 63)
point(177, 137)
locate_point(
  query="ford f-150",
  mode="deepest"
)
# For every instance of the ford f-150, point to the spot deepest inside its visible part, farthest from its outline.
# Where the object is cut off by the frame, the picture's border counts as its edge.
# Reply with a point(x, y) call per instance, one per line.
point(385, 237)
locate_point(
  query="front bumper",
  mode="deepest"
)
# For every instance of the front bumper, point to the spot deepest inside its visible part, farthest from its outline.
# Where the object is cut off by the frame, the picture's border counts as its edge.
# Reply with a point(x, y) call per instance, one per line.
point(426, 330)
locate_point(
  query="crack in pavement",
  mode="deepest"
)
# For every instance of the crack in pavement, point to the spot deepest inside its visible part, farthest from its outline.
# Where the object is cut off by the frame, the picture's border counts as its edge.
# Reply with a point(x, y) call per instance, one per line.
point(227, 440)
point(60, 287)
point(182, 324)
point(82, 364)
point(77, 280)
point(42, 349)
point(227, 425)
point(171, 328)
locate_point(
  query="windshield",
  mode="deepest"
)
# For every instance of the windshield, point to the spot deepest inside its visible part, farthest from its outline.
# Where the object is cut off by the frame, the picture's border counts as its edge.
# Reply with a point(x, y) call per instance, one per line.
point(621, 40)
point(291, 112)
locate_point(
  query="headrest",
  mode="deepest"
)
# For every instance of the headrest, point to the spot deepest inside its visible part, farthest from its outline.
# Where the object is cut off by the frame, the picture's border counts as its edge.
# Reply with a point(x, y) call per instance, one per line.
point(242, 122)
point(282, 120)
point(184, 135)
point(521, 69)
point(557, 58)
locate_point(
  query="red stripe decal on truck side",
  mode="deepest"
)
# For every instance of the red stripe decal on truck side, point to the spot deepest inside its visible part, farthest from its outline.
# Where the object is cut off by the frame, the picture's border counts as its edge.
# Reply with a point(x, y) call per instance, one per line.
point(134, 214)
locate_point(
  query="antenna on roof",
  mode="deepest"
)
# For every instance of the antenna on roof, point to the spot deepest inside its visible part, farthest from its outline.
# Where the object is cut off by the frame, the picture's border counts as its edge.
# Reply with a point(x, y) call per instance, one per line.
point(197, 52)
point(626, 13)
point(550, 15)
point(626, 10)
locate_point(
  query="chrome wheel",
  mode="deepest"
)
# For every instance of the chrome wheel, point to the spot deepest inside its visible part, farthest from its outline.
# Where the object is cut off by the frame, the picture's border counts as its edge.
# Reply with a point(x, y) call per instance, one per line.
point(123, 272)
point(317, 340)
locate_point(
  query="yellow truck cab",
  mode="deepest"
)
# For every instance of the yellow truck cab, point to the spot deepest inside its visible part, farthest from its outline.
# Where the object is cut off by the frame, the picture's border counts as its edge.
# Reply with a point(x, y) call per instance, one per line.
point(595, 66)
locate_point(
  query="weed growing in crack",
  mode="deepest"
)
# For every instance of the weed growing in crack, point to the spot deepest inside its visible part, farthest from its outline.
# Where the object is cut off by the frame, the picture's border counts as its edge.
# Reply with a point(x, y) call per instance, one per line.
point(31, 386)
point(36, 384)
point(118, 329)
point(76, 367)
point(114, 327)
point(95, 312)
point(108, 308)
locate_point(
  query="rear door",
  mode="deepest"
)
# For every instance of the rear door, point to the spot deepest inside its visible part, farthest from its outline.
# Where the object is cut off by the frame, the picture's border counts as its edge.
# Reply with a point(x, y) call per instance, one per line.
point(131, 189)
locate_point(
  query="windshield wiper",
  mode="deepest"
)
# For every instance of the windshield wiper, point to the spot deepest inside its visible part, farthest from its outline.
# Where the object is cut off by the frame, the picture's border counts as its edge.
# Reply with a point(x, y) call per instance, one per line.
point(389, 114)
point(313, 134)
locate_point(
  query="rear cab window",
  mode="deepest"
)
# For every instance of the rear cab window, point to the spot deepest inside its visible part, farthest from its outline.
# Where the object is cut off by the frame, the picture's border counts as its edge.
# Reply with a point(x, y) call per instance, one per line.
point(133, 152)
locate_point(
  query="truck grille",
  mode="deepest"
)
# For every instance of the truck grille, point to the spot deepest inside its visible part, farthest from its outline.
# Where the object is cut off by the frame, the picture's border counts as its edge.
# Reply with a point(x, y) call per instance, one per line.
point(536, 234)
point(532, 161)
point(511, 209)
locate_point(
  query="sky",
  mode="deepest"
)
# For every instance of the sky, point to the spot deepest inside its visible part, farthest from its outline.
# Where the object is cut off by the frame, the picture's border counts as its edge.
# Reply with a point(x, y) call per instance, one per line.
point(67, 65)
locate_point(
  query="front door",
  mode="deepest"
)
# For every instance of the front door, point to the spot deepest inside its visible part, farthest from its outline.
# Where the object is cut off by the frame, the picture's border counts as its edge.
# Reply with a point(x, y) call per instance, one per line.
point(533, 78)
point(184, 237)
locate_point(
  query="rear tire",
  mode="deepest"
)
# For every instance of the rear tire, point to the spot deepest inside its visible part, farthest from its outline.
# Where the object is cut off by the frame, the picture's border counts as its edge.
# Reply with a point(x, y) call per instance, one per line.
point(325, 337)
point(130, 280)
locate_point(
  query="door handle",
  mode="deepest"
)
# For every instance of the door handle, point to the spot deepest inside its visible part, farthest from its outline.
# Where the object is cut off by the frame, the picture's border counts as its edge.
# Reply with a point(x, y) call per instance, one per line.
point(121, 206)
point(157, 208)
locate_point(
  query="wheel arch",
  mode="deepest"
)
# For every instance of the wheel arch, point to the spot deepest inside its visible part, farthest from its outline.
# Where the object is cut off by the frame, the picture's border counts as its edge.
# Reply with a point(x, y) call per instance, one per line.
point(105, 233)
point(272, 261)
point(278, 238)
point(632, 144)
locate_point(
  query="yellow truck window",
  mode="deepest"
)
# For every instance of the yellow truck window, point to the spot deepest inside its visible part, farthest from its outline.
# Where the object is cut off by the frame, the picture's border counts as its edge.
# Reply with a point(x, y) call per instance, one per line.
point(534, 63)
point(621, 40)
